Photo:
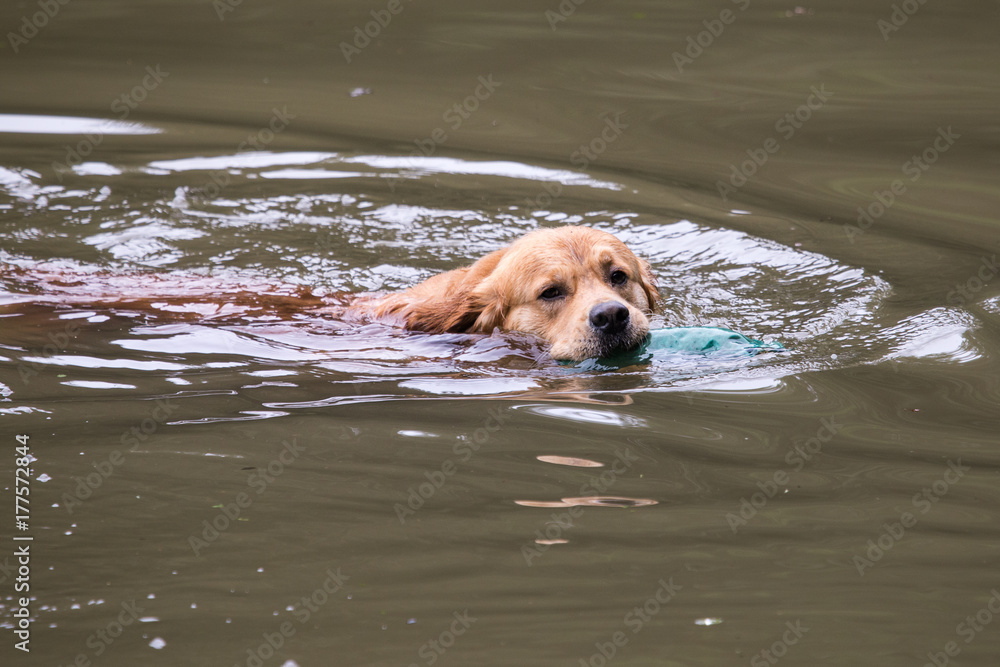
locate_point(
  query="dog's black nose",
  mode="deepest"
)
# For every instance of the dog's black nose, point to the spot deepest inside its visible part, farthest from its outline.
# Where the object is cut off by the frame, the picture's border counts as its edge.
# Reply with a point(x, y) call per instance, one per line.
point(609, 318)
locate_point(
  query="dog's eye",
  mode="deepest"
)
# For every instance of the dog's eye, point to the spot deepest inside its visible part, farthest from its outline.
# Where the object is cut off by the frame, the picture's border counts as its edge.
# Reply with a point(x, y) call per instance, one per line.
point(551, 293)
point(619, 277)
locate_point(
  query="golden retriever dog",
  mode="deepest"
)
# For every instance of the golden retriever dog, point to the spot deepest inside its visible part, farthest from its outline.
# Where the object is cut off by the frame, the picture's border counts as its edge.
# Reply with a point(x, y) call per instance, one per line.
point(581, 290)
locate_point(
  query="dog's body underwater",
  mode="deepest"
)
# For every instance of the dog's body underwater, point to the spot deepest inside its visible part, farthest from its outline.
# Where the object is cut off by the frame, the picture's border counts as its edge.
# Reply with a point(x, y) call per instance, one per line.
point(579, 289)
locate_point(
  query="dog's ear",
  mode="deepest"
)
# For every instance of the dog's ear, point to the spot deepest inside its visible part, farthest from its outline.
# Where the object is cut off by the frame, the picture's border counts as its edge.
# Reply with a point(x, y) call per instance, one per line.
point(492, 311)
point(648, 283)
point(476, 312)
point(462, 301)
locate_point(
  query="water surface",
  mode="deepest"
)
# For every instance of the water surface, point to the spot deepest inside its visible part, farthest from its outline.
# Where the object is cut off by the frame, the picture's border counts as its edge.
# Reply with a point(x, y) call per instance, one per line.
point(238, 488)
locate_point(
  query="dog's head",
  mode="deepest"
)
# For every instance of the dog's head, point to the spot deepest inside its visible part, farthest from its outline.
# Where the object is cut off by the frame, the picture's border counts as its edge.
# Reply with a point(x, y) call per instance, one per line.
point(580, 289)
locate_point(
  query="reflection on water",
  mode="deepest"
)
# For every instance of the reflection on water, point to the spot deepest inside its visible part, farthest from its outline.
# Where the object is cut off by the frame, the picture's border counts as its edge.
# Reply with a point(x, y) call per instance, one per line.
point(570, 461)
point(589, 501)
point(23, 124)
point(236, 367)
point(709, 276)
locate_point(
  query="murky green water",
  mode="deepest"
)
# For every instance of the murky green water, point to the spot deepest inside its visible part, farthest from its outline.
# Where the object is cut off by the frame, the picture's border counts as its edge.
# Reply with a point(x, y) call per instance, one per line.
point(212, 488)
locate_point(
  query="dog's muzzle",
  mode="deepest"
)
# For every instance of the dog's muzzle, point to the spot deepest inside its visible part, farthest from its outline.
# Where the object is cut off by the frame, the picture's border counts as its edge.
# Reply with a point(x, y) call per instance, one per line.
point(609, 318)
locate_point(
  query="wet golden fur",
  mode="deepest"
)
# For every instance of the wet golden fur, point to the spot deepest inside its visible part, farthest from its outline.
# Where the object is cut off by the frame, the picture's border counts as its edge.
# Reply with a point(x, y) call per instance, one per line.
point(505, 290)
point(580, 289)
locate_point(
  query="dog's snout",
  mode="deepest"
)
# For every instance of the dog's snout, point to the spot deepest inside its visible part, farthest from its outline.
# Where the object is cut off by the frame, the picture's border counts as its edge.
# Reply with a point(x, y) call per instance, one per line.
point(610, 317)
